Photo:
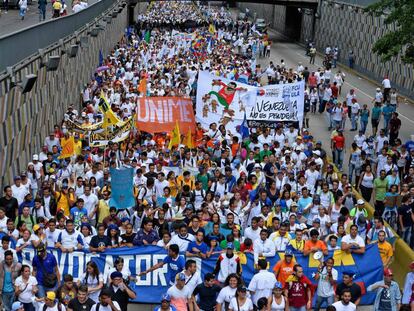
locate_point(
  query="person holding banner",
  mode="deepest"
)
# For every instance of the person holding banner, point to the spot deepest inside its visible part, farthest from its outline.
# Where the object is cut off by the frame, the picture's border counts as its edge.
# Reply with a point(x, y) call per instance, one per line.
point(175, 264)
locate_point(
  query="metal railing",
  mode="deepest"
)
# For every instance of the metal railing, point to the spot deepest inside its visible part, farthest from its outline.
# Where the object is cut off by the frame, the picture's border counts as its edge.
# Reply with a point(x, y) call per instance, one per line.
point(23, 43)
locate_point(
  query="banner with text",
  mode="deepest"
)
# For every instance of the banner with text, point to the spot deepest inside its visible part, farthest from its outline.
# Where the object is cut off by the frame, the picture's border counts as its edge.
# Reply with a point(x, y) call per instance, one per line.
point(150, 287)
point(224, 101)
point(160, 114)
point(277, 103)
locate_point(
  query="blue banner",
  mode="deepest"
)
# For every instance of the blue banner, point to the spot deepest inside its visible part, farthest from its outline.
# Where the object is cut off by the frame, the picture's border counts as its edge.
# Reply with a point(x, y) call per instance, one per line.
point(122, 195)
point(149, 288)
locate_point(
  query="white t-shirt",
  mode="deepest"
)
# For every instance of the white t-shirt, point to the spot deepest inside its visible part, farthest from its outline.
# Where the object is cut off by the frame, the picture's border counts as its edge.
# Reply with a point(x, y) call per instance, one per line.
point(39, 305)
point(325, 289)
point(90, 202)
point(247, 306)
point(26, 295)
point(226, 294)
point(19, 193)
point(92, 281)
point(348, 239)
point(339, 306)
point(106, 308)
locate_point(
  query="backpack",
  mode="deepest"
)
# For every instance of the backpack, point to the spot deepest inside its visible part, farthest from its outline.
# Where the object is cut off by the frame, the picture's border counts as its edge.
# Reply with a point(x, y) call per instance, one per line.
point(59, 307)
point(19, 219)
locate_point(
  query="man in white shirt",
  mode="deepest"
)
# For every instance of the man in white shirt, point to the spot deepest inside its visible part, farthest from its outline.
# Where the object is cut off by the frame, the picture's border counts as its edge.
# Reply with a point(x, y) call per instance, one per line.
point(263, 247)
point(262, 282)
point(90, 203)
point(19, 191)
point(182, 239)
point(345, 303)
point(51, 141)
point(352, 242)
point(354, 114)
point(192, 276)
point(253, 232)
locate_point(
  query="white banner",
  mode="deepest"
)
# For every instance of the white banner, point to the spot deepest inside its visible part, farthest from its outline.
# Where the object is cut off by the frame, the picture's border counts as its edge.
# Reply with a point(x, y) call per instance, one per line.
point(277, 103)
point(222, 101)
point(225, 101)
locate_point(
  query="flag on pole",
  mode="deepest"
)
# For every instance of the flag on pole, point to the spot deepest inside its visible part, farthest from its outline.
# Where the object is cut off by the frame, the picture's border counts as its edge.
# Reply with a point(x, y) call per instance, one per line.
point(109, 117)
point(244, 130)
point(189, 142)
point(142, 87)
point(147, 36)
point(212, 29)
point(68, 149)
point(175, 136)
point(253, 65)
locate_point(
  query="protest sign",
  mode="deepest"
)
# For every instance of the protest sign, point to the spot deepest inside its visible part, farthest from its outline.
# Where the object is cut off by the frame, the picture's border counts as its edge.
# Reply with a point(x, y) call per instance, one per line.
point(225, 101)
point(122, 194)
point(160, 114)
point(222, 101)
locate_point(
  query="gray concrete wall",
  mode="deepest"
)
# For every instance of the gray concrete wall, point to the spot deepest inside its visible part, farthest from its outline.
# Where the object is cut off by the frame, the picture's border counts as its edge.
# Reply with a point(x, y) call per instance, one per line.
point(26, 119)
point(348, 28)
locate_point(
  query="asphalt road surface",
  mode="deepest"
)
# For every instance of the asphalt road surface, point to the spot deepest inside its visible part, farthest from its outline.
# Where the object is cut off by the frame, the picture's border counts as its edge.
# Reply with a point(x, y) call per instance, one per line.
point(11, 21)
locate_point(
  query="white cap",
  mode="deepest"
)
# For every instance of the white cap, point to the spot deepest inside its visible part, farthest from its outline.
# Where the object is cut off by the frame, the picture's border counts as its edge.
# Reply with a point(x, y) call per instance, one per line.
point(360, 202)
point(257, 165)
point(35, 157)
point(317, 152)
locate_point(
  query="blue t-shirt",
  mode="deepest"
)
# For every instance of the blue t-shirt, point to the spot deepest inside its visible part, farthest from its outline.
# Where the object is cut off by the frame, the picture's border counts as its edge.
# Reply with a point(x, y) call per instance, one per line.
point(387, 111)
point(174, 267)
point(8, 283)
point(44, 265)
point(202, 247)
point(302, 203)
point(77, 214)
point(376, 113)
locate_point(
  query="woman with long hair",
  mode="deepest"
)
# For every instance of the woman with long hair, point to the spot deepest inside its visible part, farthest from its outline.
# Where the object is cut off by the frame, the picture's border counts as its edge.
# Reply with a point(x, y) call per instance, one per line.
point(113, 235)
point(93, 279)
point(33, 179)
point(241, 302)
point(25, 287)
point(366, 183)
point(95, 189)
point(228, 292)
point(120, 267)
point(278, 302)
point(215, 219)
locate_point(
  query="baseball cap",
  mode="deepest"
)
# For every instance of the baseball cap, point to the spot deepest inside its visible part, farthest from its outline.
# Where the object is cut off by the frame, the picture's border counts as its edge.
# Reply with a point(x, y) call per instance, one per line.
point(35, 157)
point(165, 297)
point(36, 227)
point(360, 202)
point(278, 285)
point(17, 305)
point(180, 276)
point(317, 220)
point(51, 295)
point(230, 245)
point(388, 272)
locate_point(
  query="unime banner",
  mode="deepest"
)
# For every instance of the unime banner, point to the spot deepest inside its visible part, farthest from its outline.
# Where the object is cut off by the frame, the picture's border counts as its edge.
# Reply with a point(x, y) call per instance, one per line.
point(122, 195)
point(225, 101)
point(160, 114)
point(102, 137)
point(149, 288)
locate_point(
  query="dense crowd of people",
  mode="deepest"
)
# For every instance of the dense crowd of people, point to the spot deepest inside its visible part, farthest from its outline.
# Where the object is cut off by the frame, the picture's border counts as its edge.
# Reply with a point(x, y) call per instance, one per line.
point(274, 192)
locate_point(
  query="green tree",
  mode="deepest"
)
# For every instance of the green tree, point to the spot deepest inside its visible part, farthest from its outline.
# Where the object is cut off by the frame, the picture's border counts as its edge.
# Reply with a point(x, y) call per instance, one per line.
point(400, 40)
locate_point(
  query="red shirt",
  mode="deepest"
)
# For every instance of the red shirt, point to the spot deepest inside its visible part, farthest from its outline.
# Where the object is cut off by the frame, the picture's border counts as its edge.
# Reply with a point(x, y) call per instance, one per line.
point(335, 91)
point(297, 294)
point(312, 81)
point(339, 141)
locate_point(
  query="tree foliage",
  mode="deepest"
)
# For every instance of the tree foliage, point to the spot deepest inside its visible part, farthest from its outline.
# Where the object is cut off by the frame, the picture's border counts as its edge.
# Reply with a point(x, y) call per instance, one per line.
point(400, 40)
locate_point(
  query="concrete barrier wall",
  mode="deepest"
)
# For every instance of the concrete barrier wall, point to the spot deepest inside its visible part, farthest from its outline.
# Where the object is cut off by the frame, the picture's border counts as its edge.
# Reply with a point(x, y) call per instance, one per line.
point(26, 119)
point(348, 28)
